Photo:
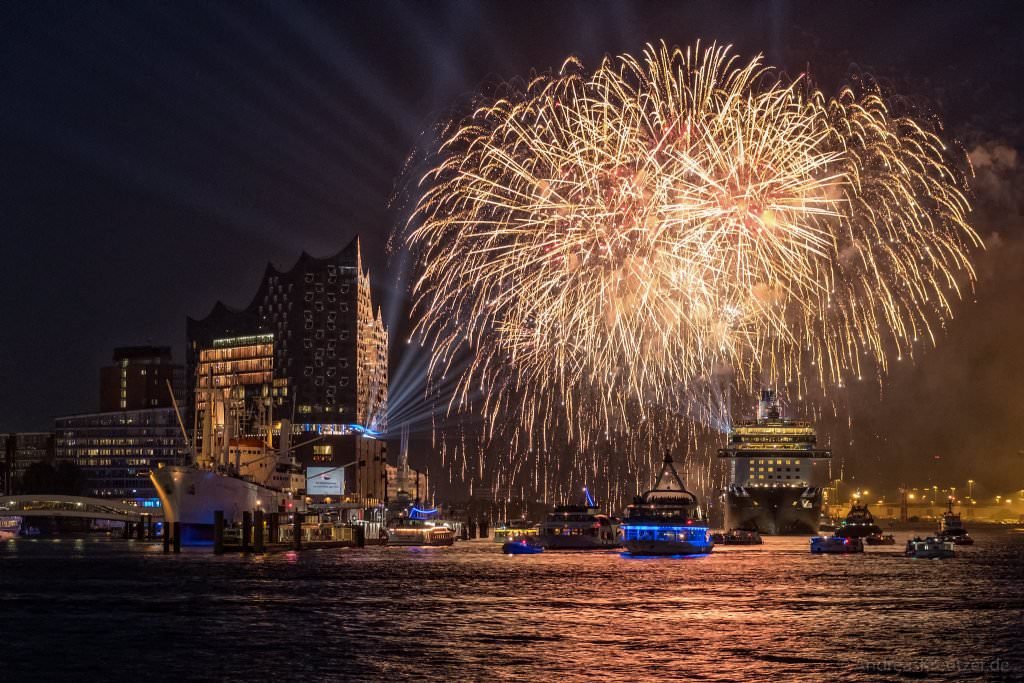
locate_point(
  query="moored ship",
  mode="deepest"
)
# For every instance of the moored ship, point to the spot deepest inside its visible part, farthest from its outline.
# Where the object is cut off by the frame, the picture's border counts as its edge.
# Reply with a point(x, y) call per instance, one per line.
point(231, 473)
point(777, 473)
point(667, 520)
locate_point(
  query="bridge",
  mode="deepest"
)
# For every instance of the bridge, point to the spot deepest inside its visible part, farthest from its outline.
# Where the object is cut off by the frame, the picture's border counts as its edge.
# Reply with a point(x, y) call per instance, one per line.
point(44, 505)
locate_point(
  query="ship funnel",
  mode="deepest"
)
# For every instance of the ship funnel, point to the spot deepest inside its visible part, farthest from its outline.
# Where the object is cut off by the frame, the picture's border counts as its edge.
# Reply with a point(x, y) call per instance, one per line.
point(768, 406)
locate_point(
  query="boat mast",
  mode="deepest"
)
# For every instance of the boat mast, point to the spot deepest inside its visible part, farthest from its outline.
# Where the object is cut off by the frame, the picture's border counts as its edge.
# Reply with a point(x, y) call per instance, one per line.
point(181, 423)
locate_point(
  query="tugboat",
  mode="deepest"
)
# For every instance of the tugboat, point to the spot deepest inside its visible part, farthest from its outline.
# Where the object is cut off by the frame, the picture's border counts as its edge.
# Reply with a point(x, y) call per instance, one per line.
point(836, 545)
point(738, 537)
point(578, 527)
point(952, 528)
point(930, 548)
point(858, 523)
point(666, 520)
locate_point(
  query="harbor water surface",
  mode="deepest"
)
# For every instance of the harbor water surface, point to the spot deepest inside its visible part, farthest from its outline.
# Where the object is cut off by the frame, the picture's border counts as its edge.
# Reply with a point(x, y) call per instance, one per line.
point(100, 609)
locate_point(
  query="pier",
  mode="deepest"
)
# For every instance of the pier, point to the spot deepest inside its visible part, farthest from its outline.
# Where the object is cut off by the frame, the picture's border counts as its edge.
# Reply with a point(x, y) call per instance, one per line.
point(263, 532)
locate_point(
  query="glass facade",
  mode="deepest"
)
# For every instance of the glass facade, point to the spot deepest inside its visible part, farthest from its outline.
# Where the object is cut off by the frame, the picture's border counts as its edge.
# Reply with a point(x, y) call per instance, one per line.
point(116, 450)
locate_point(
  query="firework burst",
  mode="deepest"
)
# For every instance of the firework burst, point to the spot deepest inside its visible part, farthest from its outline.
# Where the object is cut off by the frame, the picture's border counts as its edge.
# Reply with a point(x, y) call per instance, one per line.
point(602, 244)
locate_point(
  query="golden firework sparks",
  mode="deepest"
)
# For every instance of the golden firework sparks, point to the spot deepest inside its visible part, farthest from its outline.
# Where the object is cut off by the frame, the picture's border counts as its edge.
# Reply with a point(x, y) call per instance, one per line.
point(602, 243)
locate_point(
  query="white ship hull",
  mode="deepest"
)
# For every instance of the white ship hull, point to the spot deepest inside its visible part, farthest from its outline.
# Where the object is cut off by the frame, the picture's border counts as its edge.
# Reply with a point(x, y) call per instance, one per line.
point(190, 495)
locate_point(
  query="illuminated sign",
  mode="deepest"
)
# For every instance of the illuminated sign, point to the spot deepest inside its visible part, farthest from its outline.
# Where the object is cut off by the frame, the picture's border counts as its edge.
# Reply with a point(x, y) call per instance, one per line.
point(324, 481)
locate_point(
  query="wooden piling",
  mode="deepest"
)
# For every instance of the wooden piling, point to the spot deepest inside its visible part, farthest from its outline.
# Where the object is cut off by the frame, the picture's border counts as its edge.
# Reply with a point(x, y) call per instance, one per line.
point(177, 537)
point(218, 532)
point(167, 536)
point(297, 531)
point(246, 531)
point(140, 530)
point(257, 531)
point(274, 527)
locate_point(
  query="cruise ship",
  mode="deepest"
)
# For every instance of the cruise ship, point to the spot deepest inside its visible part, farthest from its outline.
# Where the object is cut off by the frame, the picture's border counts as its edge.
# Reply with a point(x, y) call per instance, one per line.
point(776, 472)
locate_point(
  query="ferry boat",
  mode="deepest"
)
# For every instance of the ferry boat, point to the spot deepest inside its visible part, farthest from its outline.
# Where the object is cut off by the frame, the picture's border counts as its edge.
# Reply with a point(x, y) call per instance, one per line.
point(578, 527)
point(666, 520)
point(859, 523)
point(836, 545)
point(512, 530)
point(930, 548)
point(420, 528)
point(777, 473)
point(952, 528)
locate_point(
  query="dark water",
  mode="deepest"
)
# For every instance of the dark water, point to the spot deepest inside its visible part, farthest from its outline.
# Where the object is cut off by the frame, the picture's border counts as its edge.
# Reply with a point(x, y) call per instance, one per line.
point(95, 609)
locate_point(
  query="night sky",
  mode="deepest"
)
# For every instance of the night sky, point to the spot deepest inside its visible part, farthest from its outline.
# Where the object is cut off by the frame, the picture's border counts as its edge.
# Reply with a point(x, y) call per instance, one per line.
point(156, 155)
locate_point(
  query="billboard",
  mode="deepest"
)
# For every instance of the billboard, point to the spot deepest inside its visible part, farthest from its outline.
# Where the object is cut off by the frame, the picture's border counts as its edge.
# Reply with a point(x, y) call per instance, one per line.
point(325, 481)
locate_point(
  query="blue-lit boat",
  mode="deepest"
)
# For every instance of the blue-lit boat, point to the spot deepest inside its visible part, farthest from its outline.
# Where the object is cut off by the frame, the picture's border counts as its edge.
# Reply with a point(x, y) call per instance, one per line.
point(836, 545)
point(666, 520)
point(521, 547)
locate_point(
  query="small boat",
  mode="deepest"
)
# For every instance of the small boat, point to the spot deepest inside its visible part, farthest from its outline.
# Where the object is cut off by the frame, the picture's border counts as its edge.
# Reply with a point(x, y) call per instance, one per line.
point(836, 545)
point(952, 528)
point(929, 548)
point(738, 537)
point(880, 539)
point(859, 523)
point(666, 520)
point(521, 547)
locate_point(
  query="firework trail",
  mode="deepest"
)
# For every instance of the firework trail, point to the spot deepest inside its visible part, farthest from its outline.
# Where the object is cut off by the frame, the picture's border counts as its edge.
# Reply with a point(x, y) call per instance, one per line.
point(603, 246)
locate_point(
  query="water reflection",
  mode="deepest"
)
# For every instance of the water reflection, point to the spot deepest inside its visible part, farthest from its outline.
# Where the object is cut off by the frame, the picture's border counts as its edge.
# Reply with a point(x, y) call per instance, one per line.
point(469, 613)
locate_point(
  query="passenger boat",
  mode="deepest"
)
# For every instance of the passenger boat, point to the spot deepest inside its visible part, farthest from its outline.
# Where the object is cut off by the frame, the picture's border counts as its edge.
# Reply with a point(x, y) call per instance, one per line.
point(509, 531)
point(880, 539)
point(859, 523)
point(666, 520)
point(578, 527)
point(419, 527)
point(521, 547)
point(738, 537)
point(930, 548)
point(9, 527)
point(952, 528)
point(836, 545)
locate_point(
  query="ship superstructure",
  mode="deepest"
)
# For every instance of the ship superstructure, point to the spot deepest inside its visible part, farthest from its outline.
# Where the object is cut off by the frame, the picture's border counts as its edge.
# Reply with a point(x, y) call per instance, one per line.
point(776, 473)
